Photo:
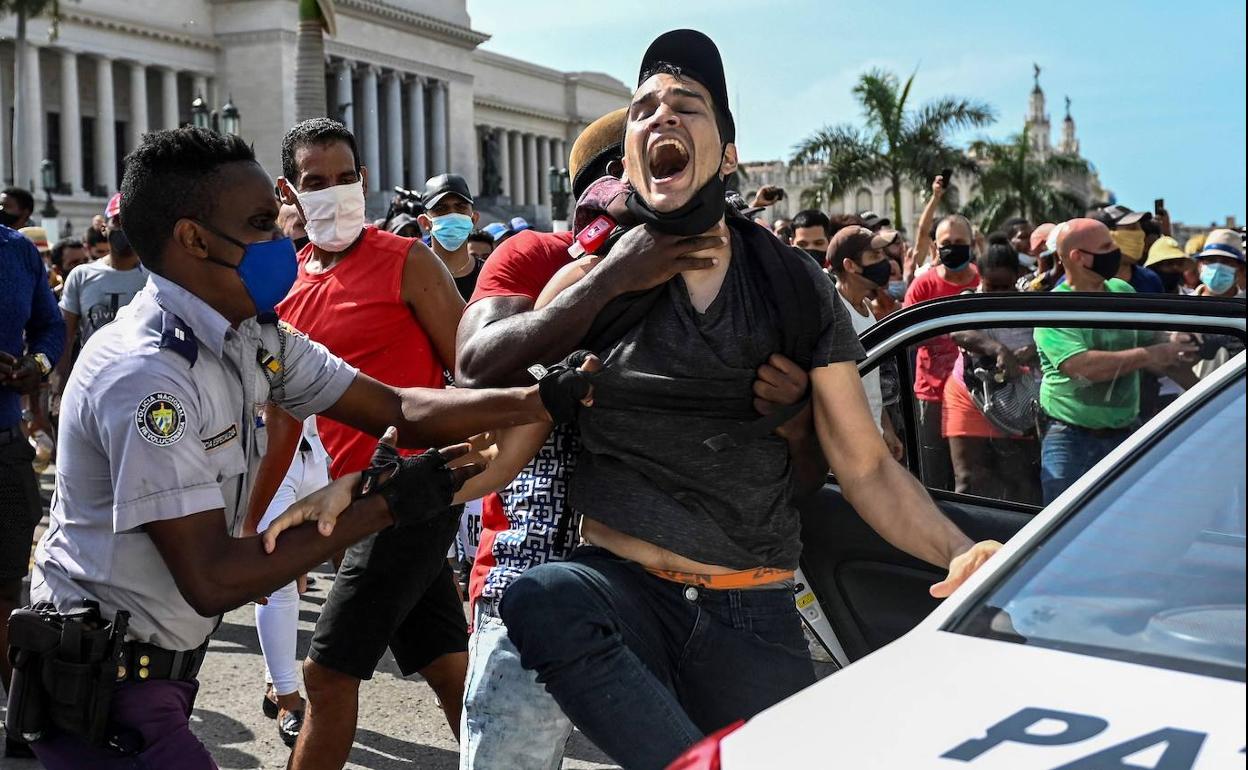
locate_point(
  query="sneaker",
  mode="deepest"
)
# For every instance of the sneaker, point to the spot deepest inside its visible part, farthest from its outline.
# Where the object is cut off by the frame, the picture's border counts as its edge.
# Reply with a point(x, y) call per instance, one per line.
point(288, 726)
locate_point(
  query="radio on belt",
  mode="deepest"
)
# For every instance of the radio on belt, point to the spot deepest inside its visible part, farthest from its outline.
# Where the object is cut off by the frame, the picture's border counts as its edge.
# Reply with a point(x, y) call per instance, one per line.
point(592, 236)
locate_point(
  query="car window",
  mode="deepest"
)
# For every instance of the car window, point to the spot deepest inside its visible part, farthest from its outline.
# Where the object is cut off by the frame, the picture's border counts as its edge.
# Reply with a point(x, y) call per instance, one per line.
point(1020, 414)
point(1151, 568)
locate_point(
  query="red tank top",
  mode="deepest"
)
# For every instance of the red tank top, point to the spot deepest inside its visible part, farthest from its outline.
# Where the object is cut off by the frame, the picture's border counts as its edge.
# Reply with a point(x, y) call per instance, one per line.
point(356, 310)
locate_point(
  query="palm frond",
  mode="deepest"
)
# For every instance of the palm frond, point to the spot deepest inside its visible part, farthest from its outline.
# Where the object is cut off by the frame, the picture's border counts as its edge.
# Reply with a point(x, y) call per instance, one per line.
point(950, 114)
point(877, 93)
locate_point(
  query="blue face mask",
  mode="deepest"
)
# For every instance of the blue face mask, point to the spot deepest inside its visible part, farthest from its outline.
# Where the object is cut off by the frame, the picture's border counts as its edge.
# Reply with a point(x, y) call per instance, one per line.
point(268, 269)
point(451, 230)
point(1218, 277)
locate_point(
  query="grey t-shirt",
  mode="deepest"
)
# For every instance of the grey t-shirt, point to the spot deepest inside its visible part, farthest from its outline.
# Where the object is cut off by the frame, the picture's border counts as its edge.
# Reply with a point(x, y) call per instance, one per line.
point(645, 472)
point(95, 292)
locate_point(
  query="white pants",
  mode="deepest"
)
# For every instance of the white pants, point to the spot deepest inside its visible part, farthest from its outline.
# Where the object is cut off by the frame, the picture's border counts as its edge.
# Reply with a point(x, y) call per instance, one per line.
point(278, 621)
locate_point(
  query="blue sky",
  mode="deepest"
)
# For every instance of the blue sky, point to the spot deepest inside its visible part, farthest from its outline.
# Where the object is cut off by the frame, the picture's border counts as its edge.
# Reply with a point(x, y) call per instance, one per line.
point(1157, 88)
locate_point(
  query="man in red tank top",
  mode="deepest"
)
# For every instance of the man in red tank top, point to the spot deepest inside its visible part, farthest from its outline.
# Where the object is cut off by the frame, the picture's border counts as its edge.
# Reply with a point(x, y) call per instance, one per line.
point(387, 305)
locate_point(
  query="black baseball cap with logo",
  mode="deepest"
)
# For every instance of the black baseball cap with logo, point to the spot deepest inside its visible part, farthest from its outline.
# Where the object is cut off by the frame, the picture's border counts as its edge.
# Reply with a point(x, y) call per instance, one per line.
point(697, 58)
point(442, 185)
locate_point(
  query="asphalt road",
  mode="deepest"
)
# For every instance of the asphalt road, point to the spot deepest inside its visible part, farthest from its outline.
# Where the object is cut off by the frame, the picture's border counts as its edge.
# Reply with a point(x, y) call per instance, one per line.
point(400, 725)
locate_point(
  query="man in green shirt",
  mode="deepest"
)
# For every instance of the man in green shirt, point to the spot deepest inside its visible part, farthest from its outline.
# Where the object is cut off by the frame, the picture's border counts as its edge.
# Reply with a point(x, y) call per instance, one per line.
point(1091, 386)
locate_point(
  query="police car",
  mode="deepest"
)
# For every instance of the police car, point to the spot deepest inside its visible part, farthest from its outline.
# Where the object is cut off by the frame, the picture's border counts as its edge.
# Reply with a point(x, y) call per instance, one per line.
point(1109, 632)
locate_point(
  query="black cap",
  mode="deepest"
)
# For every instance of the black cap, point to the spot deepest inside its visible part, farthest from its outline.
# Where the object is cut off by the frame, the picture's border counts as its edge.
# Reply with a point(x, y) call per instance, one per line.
point(874, 221)
point(698, 59)
point(442, 185)
point(1117, 215)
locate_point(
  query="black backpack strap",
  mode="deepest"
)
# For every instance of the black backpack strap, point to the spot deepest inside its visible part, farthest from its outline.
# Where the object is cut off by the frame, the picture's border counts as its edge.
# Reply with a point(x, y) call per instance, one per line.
point(792, 294)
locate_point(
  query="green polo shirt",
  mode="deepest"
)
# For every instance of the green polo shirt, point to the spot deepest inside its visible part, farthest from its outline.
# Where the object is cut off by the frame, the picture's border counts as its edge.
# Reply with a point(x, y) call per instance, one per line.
point(1110, 404)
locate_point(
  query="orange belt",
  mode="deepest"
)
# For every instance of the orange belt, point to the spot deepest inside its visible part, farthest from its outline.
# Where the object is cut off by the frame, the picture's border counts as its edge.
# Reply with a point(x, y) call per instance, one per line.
point(747, 578)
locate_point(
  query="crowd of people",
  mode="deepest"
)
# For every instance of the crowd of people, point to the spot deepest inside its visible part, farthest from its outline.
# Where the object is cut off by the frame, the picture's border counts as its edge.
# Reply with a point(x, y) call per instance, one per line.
point(1076, 393)
point(626, 435)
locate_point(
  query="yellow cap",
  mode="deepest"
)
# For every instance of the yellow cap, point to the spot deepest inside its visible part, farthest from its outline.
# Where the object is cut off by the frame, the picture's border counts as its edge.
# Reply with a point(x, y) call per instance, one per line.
point(1164, 249)
point(1194, 245)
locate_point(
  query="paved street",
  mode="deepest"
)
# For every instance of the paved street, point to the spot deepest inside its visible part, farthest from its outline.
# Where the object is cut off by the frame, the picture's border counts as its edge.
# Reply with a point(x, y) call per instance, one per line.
point(401, 725)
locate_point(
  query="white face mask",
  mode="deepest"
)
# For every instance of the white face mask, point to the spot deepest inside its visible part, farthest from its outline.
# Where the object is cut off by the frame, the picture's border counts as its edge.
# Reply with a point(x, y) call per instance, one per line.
point(335, 215)
point(1027, 261)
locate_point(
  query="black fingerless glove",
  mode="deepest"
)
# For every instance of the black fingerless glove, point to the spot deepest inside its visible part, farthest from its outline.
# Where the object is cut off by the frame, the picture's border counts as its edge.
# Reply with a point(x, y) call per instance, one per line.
point(417, 489)
point(563, 386)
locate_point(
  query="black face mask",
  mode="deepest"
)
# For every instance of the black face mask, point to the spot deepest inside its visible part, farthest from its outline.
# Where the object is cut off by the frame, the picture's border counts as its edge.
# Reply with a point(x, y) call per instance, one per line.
point(816, 255)
point(1106, 265)
point(1169, 280)
point(301, 241)
point(7, 219)
point(700, 214)
point(878, 273)
point(119, 244)
point(955, 256)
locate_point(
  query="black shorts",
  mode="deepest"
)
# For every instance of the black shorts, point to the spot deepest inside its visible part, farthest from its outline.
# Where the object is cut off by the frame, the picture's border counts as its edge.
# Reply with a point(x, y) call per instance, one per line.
point(394, 589)
point(20, 506)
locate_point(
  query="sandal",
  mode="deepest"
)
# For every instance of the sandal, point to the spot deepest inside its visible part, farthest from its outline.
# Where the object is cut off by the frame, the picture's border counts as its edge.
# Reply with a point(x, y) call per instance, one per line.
point(269, 704)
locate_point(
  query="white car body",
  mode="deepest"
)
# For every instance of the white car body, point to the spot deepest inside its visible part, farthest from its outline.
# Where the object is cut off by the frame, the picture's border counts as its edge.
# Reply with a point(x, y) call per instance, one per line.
point(938, 699)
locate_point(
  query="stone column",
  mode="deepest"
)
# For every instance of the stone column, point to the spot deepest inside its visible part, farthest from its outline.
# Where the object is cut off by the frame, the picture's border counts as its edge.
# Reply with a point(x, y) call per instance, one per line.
point(504, 162)
point(440, 148)
point(561, 154)
point(543, 171)
point(6, 145)
point(138, 104)
point(530, 170)
point(342, 107)
point(417, 148)
point(517, 167)
point(170, 105)
point(105, 127)
point(200, 87)
point(70, 172)
point(394, 129)
point(371, 140)
point(30, 131)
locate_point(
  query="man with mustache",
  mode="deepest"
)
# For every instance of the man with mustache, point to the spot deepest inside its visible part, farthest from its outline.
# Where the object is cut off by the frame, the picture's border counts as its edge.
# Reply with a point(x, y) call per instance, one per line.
point(688, 582)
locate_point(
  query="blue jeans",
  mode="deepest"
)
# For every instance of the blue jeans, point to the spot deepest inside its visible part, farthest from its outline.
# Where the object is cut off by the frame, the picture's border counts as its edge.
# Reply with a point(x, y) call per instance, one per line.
point(645, 667)
point(1068, 452)
point(509, 720)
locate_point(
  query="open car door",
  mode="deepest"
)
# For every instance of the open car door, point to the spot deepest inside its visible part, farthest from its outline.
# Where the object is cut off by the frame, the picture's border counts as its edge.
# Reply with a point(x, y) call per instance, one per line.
point(856, 592)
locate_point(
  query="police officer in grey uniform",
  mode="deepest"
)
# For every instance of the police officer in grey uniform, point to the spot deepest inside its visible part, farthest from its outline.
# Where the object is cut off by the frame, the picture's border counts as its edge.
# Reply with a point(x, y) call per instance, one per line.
point(159, 441)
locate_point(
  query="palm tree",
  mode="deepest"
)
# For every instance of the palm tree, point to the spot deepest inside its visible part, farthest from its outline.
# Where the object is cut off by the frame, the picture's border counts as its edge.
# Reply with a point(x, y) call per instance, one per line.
point(316, 17)
point(895, 144)
point(1014, 182)
point(25, 10)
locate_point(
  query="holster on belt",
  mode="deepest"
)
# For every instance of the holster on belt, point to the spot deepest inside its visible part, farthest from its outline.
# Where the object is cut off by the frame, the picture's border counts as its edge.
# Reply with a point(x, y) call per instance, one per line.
point(64, 669)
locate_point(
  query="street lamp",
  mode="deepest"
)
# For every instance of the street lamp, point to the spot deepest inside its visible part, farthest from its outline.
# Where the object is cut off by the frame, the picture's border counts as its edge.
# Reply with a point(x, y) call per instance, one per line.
point(200, 117)
point(47, 174)
point(230, 121)
point(227, 120)
point(560, 193)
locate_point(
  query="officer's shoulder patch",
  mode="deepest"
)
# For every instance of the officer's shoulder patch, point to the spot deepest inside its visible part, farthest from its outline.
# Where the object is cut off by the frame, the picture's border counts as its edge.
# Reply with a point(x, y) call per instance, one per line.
point(176, 335)
point(160, 419)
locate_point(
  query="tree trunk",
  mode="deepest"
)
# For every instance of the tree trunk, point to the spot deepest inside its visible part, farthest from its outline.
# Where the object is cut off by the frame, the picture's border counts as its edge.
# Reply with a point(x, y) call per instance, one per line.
point(310, 71)
point(899, 222)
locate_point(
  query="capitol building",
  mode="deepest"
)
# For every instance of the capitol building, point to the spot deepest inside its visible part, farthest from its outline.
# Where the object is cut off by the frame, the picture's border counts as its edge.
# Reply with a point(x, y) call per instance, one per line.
point(407, 76)
point(878, 196)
